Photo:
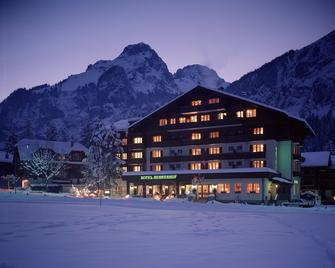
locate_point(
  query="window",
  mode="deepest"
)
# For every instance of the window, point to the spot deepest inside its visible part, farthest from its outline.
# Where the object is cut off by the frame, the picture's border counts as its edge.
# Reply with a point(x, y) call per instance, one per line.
point(138, 140)
point(213, 100)
point(156, 153)
point(238, 188)
point(253, 188)
point(222, 116)
point(124, 156)
point(137, 155)
point(214, 165)
point(137, 168)
point(231, 149)
point(196, 166)
point(214, 134)
point(163, 122)
point(214, 150)
point(196, 151)
point(182, 120)
point(240, 114)
point(124, 169)
point(257, 148)
point(196, 136)
point(157, 138)
point(257, 163)
point(250, 113)
point(172, 121)
point(156, 167)
point(232, 164)
point(196, 102)
point(124, 141)
point(205, 117)
point(224, 188)
point(193, 118)
point(258, 131)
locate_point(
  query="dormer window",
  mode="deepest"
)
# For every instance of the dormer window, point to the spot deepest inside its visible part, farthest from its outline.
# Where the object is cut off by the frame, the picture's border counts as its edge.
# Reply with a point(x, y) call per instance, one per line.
point(196, 102)
point(213, 100)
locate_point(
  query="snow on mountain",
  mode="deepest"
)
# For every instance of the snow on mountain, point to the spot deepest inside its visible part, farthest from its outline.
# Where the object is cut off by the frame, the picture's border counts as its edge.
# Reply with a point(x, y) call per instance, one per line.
point(301, 82)
point(132, 85)
point(194, 75)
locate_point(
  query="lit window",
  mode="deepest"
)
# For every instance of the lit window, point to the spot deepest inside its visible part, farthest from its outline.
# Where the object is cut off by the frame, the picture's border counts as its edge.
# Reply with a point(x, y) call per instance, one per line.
point(156, 167)
point(214, 134)
point(205, 117)
point(196, 102)
point(172, 121)
point(118, 155)
point(196, 136)
point(214, 150)
point(182, 120)
point(157, 138)
point(240, 114)
point(138, 140)
point(257, 148)
point(250, 113)
point(224, 188)
point(238, 188)
point(222, 116)
point(258, 131)
point(124, 156)
point(193, 118)
point(214, 165)
point(124, 141)
point(163, 122)
point(214, 100)
point(124, 169)
point(137, 168)
point(253, 188)
point(156, 153)
point(196, 151)
point(137, 155)
point(196, 166)
point(257, 163)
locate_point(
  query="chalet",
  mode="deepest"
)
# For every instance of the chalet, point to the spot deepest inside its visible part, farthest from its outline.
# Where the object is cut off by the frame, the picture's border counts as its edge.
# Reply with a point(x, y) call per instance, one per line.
point(72, 154)
point(318, 174)
point(208, 141)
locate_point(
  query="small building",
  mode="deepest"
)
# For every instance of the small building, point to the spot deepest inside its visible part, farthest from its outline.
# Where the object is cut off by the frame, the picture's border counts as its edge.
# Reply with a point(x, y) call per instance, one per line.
point(318, 174)
point(207, 141)
point(72, 154)
point(6, 168)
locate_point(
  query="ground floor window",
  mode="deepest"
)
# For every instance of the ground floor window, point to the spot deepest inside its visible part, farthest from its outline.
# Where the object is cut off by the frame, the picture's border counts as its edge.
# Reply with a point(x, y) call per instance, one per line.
point(224, 188)
point(238, 187)
point(253, 188)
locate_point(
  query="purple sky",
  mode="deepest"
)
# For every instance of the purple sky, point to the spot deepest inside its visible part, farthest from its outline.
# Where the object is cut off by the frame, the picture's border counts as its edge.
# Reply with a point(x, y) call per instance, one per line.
point(46, 41)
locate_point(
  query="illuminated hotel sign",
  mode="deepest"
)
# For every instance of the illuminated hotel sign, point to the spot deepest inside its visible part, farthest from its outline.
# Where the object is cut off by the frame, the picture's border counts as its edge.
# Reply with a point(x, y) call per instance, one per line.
point(159, 177)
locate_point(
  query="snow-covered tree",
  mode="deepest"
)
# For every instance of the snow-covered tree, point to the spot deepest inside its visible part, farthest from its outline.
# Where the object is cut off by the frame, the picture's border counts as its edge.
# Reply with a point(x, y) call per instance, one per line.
point(104, 161)
point(43, 164)
point(10, 141)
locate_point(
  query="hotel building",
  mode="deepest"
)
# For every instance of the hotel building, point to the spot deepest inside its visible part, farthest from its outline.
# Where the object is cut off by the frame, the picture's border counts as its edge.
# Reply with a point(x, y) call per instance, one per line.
point(208, 141)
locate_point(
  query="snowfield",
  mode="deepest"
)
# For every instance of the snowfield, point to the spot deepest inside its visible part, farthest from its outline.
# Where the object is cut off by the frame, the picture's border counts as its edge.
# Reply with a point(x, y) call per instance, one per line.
point(57, 231)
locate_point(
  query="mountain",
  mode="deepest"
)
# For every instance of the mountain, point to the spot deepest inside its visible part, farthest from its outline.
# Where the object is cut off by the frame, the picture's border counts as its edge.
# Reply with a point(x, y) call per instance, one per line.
point(301, 82)
point(132, 85)
point(193, 75)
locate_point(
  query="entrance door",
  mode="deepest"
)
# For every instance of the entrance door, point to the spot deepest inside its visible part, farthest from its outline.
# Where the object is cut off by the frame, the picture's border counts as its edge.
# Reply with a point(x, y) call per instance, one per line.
point(203, 190)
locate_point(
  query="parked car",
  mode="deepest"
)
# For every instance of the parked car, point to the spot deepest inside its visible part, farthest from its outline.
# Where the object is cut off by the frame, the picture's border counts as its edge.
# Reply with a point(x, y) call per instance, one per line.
point(299, 203)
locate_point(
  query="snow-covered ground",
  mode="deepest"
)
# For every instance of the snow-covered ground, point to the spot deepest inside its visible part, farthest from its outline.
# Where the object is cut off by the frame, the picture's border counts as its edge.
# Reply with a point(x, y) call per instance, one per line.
point(57, 231)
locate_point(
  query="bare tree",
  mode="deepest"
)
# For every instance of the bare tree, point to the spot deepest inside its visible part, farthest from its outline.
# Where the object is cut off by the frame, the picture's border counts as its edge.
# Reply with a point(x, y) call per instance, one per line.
point(43, 164)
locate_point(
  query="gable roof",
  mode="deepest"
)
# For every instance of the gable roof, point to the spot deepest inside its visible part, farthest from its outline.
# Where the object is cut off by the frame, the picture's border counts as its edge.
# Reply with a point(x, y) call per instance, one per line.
point(223, 93)
point(26, 147)
point(316, 159)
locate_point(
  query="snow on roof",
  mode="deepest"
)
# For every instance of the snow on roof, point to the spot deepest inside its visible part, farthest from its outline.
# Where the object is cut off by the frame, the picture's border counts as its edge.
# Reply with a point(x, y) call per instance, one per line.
point(124, 123)
point(234, 96)
point(27, 147)
point(6, 157)
point(279, 179)
point(202, 171)
point(316, 159)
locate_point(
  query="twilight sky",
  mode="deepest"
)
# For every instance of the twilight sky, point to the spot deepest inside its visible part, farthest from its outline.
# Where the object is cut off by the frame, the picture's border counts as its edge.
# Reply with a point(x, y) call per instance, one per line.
point(46, 41)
